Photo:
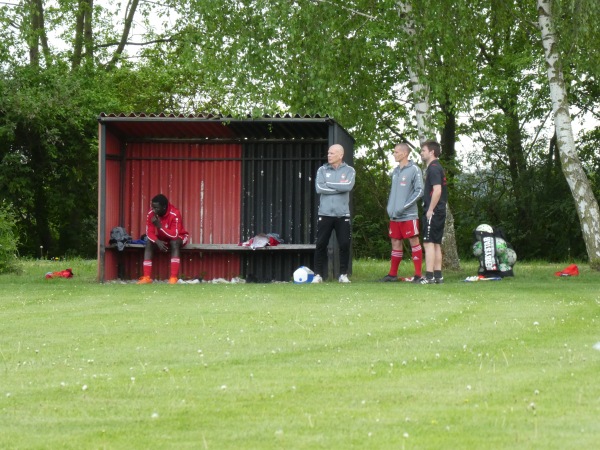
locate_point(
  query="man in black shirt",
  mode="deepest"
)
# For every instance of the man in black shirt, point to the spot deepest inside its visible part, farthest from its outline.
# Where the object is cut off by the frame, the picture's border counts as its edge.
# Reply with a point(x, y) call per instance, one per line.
point(434, 212)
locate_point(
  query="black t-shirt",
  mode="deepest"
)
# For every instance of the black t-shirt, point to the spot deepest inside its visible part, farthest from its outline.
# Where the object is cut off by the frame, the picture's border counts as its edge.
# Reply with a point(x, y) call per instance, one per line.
point(435, 175)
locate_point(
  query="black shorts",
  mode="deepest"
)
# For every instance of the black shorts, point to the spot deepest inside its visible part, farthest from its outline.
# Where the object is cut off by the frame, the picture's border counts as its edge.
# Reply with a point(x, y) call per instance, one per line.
point(434, 231)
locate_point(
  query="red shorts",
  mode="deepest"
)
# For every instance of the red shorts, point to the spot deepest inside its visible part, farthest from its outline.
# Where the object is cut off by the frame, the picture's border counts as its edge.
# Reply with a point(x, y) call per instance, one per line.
point(404, 230)
point(185, 239)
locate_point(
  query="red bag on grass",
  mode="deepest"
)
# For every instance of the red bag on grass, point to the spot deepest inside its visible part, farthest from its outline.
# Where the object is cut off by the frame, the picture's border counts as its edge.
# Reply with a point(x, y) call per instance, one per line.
point(569, 271)
point(67, 273)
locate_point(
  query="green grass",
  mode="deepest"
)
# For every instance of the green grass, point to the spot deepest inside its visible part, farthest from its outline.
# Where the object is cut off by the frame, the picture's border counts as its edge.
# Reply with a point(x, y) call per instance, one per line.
point(506, 364)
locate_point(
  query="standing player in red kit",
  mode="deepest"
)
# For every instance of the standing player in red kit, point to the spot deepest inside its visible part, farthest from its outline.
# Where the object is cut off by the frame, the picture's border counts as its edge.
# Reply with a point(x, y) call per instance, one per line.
point(164, 230)
point(406, 189)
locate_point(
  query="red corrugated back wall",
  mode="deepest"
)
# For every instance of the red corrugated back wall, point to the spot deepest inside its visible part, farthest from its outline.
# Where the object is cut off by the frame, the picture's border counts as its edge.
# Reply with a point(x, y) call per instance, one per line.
point(204, 182)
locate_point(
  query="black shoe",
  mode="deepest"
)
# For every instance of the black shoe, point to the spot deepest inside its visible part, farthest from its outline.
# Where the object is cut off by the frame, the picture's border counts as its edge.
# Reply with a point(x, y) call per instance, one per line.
point(388, 278)
point(416, 279)
point(427, 281)
point(439, 280)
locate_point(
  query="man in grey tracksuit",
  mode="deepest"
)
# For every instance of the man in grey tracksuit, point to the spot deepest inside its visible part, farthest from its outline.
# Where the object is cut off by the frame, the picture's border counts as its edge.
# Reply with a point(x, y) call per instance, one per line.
point(334, 182)
point(406, 189)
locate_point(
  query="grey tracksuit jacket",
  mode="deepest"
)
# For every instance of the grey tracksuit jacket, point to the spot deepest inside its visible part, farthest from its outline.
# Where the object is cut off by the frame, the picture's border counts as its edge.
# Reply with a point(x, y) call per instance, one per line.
point(334, 186)
point(407, 188)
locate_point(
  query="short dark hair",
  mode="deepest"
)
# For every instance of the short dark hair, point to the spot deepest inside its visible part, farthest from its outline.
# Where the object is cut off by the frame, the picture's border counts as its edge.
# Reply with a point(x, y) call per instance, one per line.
point(433, 146)
point(161, 200)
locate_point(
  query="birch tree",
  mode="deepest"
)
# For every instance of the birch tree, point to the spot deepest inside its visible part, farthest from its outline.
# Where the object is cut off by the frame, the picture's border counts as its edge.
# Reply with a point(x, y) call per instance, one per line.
point(420, 90)
point(587, 205)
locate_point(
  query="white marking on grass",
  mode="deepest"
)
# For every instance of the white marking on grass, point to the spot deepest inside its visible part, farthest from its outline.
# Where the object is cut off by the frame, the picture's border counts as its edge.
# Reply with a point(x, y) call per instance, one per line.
point(596, 346)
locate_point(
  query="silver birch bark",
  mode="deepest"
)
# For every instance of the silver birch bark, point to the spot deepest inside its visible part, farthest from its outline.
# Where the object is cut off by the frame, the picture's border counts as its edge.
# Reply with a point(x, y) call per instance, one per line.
point(421, 98)
point(585, 202)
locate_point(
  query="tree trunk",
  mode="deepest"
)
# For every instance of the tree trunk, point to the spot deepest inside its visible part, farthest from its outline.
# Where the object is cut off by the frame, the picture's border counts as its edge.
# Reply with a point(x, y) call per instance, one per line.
point(517, 166)
point(448, 141)
point(33, 40)
point(131, 9)
point(83, 33)
point(585, 202)
point(78, 41)
point(88, 37)
point(421, 98)
point(38, 34)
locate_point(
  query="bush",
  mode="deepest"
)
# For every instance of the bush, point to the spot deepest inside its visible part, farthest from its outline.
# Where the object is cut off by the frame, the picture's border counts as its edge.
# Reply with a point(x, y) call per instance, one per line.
point(8, 240)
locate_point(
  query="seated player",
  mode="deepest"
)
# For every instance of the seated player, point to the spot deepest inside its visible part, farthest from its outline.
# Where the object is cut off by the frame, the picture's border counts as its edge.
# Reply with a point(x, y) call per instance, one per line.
point(165, 231)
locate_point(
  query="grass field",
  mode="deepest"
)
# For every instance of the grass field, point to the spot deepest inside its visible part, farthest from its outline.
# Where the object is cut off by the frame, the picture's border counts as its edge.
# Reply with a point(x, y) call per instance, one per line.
point(500, 365)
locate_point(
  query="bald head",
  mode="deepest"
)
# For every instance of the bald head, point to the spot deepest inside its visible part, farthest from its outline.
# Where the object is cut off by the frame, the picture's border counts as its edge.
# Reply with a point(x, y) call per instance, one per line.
point(335, 155)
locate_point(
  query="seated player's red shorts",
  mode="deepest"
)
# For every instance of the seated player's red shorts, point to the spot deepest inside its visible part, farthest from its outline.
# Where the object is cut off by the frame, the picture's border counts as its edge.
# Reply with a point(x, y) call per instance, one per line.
point(404, 230)
point(185, 239)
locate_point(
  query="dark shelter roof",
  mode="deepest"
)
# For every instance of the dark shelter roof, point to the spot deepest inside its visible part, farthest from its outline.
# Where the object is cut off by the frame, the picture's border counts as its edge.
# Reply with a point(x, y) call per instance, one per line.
point(217, 127)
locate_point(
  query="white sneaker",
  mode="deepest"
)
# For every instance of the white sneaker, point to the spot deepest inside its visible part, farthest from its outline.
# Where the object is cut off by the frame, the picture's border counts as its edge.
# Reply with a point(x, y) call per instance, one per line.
point(317, 279)
point(343, 278)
